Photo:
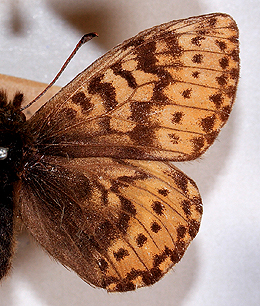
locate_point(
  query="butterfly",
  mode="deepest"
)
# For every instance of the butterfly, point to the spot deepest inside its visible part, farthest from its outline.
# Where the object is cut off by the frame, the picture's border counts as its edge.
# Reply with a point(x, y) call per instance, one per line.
point(89, 174)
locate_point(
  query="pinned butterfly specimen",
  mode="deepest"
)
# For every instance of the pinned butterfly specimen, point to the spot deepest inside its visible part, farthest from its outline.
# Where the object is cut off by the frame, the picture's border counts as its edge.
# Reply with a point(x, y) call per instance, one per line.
point(90, 175)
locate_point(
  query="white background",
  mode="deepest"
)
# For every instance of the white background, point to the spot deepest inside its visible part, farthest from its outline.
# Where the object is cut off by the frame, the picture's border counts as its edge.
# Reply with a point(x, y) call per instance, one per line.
point(222, 265)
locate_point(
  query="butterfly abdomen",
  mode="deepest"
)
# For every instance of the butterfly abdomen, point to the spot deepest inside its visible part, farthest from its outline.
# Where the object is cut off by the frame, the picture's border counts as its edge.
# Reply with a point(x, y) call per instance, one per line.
point(6, 228)
point(12, 144)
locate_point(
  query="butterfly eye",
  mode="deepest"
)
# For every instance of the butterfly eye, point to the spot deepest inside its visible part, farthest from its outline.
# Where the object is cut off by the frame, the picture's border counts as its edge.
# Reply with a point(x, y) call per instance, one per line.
point(3, 153)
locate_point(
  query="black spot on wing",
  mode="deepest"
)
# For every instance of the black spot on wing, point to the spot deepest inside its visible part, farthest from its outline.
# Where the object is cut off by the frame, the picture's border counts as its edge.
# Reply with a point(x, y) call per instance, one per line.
point(217, 99)
point(127, 75)
point(221, 44)
point(141, 240)
point(127, 212)
point(195, 74)
point(174, 138)
point(158, 208)
point(177, 117)
point(105, 90)
point(197, 58)
point(222, 80)
point(187, 93)
point(155, 227)
point(180, 180)
point(146, 57)
point(224, 62)
point(198, 144)
point(142, 135)
point(193, 228)
point(163, 192)
point(181, 231)
point(235, 55)
point(197, 40)
point(186, 205)
point(80, 99)
point(208, 123)
point(120, 254)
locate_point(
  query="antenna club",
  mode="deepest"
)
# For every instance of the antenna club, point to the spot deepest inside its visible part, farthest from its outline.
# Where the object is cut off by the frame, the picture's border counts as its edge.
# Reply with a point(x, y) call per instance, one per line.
point(88, 37)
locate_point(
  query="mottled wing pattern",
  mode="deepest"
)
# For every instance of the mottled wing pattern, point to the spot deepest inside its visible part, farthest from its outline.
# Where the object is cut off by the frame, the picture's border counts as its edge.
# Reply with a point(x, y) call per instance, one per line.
point(164, 94)
point(120, 224)
point(98, 194)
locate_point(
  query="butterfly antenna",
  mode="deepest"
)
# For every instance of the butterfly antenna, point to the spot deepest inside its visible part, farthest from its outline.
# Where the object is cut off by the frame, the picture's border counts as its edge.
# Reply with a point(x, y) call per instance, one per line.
point(82, 41)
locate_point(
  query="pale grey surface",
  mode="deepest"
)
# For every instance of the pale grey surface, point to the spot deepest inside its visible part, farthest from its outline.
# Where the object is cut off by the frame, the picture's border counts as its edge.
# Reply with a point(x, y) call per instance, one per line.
point(222, 266)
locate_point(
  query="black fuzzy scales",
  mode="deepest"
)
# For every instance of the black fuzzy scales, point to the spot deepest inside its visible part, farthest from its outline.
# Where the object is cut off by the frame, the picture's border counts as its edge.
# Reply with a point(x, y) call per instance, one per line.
point(13, 138)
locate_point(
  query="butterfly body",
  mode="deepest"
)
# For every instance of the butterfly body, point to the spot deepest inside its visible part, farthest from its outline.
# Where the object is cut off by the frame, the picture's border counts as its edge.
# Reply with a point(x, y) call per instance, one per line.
point(11, 143)
point(90, 175)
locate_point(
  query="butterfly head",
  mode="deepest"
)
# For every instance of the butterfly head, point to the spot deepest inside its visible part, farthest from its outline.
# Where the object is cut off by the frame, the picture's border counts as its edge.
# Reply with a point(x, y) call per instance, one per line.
point(12, 137)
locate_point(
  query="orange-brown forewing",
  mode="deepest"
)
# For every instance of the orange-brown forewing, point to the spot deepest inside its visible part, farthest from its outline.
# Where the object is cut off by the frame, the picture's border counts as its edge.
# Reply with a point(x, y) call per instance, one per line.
point(164, 94)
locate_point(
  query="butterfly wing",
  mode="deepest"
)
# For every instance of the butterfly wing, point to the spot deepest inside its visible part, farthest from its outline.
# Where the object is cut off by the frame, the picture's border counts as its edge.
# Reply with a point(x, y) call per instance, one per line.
point(96, 193)
point(162, 95)
point(118, 224)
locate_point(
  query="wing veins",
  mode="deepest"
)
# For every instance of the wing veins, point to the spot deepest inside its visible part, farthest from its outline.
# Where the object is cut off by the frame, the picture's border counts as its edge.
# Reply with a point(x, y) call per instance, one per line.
point(57, 187)
point(73, 200)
